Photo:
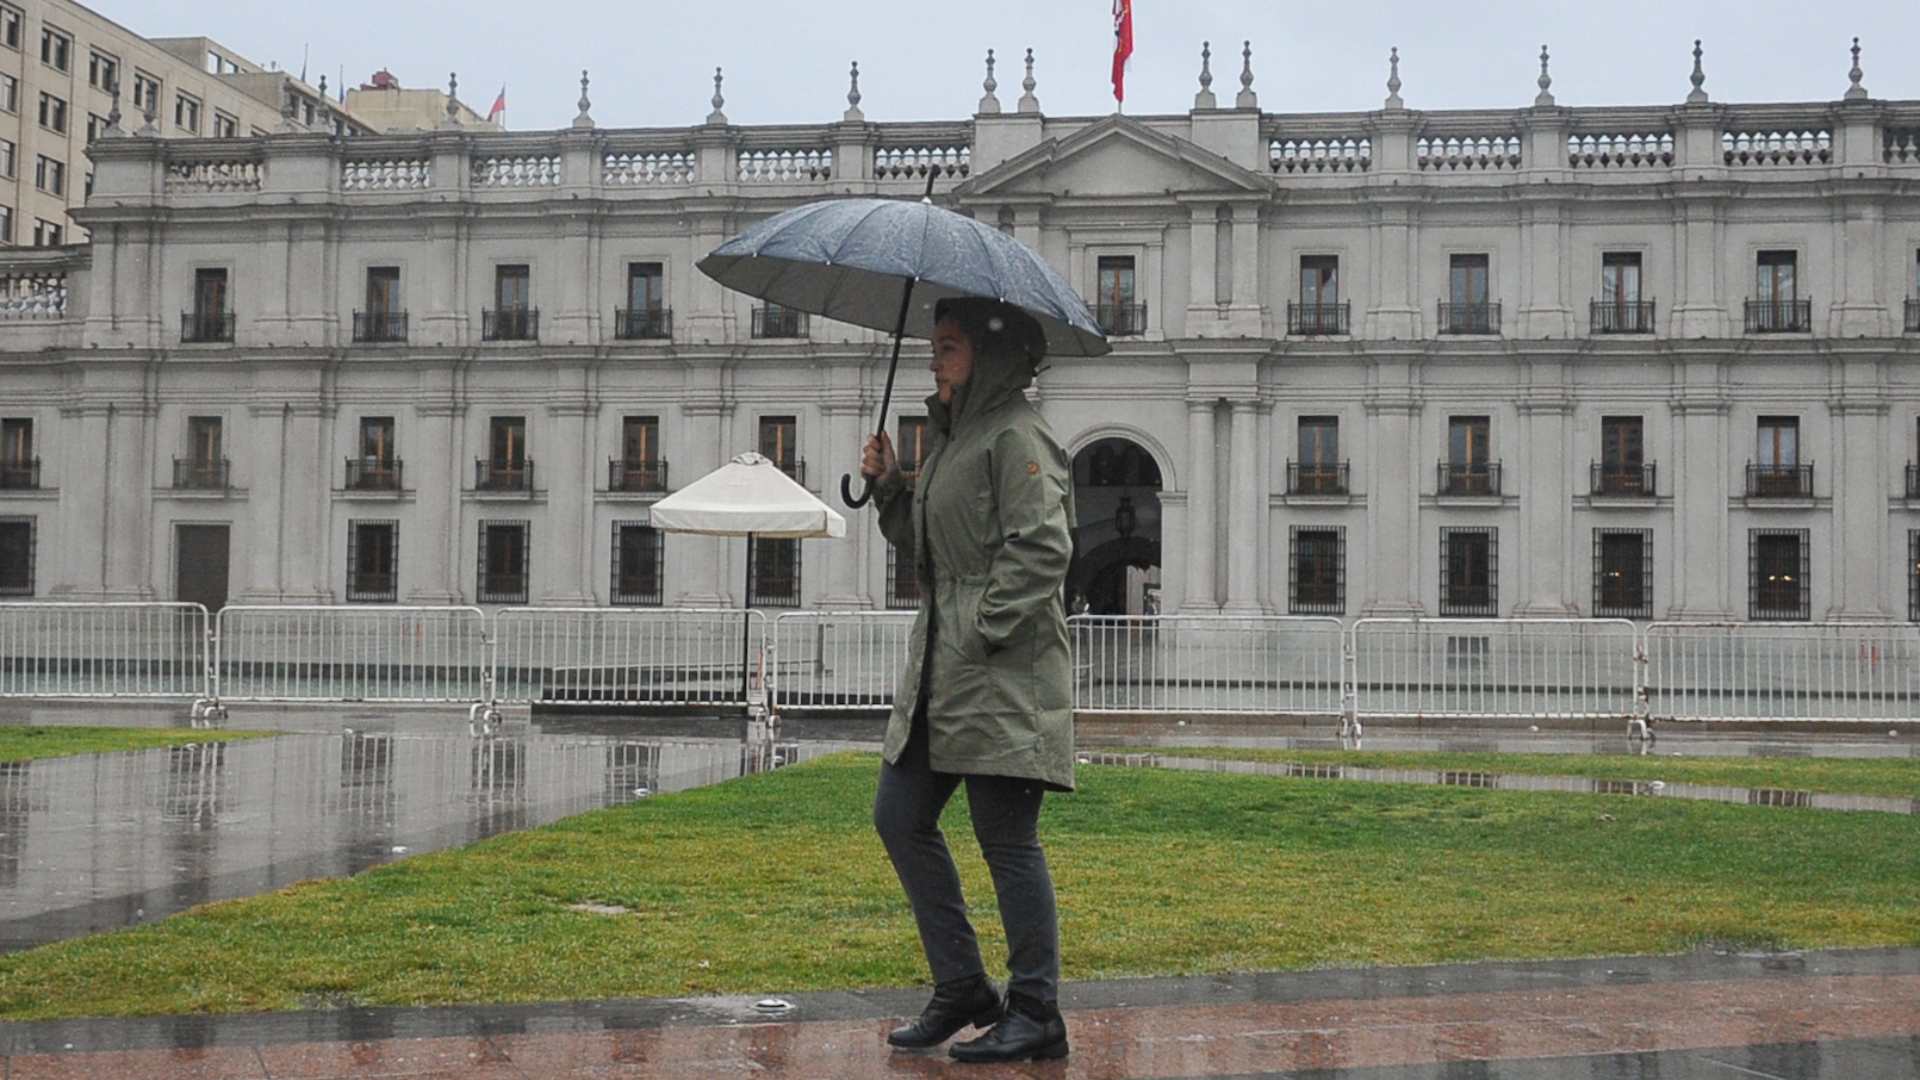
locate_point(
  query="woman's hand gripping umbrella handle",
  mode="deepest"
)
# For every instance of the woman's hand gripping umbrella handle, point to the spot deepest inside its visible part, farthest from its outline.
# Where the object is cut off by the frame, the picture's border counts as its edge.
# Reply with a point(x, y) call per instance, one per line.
point(886, 401)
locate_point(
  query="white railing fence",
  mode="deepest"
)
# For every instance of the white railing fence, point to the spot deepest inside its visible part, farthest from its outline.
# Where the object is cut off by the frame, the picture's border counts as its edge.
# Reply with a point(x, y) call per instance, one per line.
point(839, 660)
point(1495, 668)
point(1280, 665)
point(628, 656)
point(1779, 671)
point(52, 650)
point(371, 653)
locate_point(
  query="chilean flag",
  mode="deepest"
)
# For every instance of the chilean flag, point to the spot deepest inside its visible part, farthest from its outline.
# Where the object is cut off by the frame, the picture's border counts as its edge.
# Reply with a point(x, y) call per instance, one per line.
point(499, 105)
point(1122, 46)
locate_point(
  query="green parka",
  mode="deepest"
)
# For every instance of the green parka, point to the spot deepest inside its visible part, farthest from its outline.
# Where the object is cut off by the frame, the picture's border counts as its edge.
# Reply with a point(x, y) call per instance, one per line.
point(988, 524)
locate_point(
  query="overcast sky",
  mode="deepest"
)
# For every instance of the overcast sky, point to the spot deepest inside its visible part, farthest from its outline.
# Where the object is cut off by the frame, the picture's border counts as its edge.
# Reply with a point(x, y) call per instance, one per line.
point(786, 62)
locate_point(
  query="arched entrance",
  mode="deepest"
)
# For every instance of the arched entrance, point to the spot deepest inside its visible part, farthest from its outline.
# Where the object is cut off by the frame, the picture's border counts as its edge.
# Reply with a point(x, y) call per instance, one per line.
point(1116, 560)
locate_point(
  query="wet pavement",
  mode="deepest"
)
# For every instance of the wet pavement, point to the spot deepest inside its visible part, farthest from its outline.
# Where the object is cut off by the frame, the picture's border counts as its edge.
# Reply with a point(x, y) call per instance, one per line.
point(1847, 1014)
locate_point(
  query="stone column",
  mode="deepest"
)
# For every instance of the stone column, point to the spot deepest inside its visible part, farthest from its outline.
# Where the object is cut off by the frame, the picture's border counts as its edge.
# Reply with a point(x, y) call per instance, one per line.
point(84, 496)
point(305, 520)
point(1859, 482)
point(130, 501)
point(1394, 265)
point(1544, 510)
point(561, 473)
point(1202, 253)
point(265, 482)
point(1701, 475)
point(1393, 498)
point(1200, 596)
point(1243, 524)
point(844, 557)
point(1699, 310)
point(430, 560)
point(704, 560)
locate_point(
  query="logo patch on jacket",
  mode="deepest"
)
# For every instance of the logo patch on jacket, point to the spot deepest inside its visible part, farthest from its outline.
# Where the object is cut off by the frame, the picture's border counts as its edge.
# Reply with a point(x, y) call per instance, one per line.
point(1033, 468)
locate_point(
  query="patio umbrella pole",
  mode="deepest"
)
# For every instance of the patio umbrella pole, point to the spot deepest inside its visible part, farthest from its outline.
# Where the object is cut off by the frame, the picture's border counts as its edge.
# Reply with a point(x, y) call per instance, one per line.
point(886, 400)
point(746, 631)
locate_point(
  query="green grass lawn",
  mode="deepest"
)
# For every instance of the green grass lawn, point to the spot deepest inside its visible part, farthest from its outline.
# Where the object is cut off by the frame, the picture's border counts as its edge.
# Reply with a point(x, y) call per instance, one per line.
point(1896, 777)
point(29, 743)
point(776, 882)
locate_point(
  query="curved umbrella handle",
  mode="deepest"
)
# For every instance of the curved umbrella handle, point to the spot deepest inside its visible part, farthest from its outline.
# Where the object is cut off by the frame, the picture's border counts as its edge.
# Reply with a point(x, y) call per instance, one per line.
point(846, 492)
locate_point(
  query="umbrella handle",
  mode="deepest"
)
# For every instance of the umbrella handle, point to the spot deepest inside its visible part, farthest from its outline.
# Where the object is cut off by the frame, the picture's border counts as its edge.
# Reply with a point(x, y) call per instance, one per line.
point(846, 491)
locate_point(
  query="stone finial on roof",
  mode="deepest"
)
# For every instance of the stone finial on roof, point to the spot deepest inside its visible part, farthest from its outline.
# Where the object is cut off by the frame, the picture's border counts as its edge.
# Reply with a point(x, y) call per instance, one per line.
point(719, 100)
point(1029, 103)
point(113, 115)
point(853, 113)
point(1246, 98)
point(1393, 80)
point(584, 121)
point(1698, 95)
point(1544, 99)
point(452, 119)
point(1856, 92)
point(1205, 99)
point(989, 104)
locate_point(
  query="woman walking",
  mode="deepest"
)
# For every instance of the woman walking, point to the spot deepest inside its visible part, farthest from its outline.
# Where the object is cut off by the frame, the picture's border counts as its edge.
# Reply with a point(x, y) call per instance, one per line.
point(985, 699)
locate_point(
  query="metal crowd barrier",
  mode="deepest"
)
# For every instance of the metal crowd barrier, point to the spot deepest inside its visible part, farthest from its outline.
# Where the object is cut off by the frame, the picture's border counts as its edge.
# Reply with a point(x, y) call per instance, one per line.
point(629, 656)
point(1777, 671)
point(1495, 668)
point(839, 660)
point(1279, 665)
point(371, 653)
point(122, 650)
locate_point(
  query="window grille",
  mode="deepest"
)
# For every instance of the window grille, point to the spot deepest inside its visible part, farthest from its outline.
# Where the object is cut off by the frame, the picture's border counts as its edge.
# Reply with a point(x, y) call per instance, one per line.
point(1317, 570)
point(1623, 573)
point(1470, 572)
point(639, 565)
point(1779, 575)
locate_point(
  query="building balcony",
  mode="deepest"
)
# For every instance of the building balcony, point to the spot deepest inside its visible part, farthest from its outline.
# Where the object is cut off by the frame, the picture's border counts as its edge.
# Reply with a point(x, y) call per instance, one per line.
point(205, 327)
point(1621, 316)
point(201, 475)
point(1913, 316)
point(510, 324)
point(1482, 318)
point(1779, 481)
point(652, 324)
point(771, 322)
point(1319, 320)
point(1628, 481)
point(636, 475)
point(374, 474)
point(20, 475)
point(505, 476)
point(1477, 478)
point(1316, 478)
point(377, 327)
point(1779, 316)
point(1121, 320)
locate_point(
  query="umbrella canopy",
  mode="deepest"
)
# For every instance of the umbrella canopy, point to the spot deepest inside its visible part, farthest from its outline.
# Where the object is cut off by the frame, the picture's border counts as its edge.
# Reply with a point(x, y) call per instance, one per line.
point(845, 259)
point(747, 496)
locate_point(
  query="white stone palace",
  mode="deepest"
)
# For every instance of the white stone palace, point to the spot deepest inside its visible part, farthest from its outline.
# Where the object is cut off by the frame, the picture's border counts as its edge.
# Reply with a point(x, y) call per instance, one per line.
point(1648, 361)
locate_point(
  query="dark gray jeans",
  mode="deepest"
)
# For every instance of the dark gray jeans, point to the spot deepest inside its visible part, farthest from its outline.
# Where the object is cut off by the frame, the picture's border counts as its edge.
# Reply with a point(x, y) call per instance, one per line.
point(1006, 812)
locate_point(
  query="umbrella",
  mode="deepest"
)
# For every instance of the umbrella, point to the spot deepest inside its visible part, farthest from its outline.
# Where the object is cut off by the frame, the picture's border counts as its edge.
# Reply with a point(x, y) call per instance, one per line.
point(862, 261)
point(749, 496)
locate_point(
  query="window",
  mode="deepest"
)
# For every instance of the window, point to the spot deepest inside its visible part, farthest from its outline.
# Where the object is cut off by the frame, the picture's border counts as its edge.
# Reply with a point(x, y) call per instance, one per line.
point(1779, 442)
point(1317, 571)
point(9, 93)
point(1469, 572)
point(47, 234)
point(1775, 277)
point(146, 91)
point(1116, 310)
point(6, 224)
point(103, 71)
point(1777, 306)
point(50, 176)
point(1913, 575)
point(506, 467)
point(1777, 470)
point(512, 318)
point(96, 124)
point(903, 581)
point(376, 439)
point(373, 562)
point(186, 113)
point(211, 305)
point(640, 467)
point(1319, 471)
point(1623, 457)
point(53, 113)
point(56, 49)
point(639, 564)
point(9, 159)
point(1319, 311)
point(10, 19)
point(1779, 565)
point(17, 468)
point(16, 556)
point(224, 126)
point(1469, 468)
point(774, 321)
point(374, 467)
point(503, 562)
point(780, 443)
point(1623, 573)
point(1620, 278)
point(206, 465)
point(1467, 279)
point(776, 572)
point(383, 289)
point(910, 448)
point(645, 313)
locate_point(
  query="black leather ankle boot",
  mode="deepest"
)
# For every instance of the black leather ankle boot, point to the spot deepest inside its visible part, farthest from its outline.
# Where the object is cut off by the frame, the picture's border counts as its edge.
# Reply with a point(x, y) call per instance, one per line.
point(955, 1004)
point(1029, 1030)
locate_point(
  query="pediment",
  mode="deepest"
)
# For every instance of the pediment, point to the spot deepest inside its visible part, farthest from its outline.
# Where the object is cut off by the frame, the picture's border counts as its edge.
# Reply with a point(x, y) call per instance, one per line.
point(1116, 156)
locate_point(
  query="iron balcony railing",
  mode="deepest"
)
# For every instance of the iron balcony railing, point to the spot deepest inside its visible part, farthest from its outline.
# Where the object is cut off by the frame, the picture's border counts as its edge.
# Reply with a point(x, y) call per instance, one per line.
point(20, 475)
point(1316, 478)
point(1615, 479)
point(794, 467)
point(1319, 320)
point(379, 326)
point(363, 587)
point(374, 474)
point(779, 323)
point(201, 475)
point(1121, 320)
point(1469, 478)
point(503, 475)
point(510, 324)
point(1779, 481)
point(1779, 316)
point(1913, 486)
point(1481, 318)
point(636, 475)
point(650, 324)
point(200, 327)
point(1621, 316)
point(1913, 316)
